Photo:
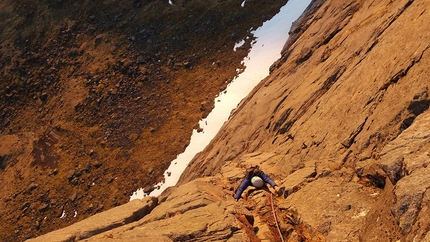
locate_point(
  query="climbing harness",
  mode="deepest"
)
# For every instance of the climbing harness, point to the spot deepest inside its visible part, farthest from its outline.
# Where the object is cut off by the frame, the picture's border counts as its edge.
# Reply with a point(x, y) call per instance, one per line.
point(274, 217)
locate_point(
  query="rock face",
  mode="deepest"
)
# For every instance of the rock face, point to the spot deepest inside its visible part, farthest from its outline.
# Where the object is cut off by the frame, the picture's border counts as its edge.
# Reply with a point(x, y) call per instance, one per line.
point(349, 97)
point(342, 123)
point(197, 211)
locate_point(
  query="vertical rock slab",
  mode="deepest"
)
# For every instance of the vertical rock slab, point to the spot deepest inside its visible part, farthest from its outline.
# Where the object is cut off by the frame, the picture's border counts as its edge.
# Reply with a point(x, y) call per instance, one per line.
point(406, 160)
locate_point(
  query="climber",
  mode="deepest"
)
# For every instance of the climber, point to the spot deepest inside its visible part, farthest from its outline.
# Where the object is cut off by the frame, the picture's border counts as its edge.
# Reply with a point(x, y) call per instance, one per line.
point(256, 177)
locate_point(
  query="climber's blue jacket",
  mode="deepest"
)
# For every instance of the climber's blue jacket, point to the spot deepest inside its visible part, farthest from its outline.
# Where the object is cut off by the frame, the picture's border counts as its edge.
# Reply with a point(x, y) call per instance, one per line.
point(251, 172)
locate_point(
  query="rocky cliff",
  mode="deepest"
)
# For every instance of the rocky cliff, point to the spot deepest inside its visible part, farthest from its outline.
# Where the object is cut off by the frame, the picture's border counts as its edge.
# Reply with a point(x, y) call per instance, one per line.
point(97, 97)
point(342, 123)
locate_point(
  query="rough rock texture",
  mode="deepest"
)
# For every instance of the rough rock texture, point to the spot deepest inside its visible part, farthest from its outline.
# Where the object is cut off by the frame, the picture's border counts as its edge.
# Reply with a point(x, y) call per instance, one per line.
point(342, 123)
point(349, 97)
point(197, 211)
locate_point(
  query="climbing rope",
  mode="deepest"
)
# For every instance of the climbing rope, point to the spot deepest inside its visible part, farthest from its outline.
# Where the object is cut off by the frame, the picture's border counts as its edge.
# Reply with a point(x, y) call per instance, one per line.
point(274, 216)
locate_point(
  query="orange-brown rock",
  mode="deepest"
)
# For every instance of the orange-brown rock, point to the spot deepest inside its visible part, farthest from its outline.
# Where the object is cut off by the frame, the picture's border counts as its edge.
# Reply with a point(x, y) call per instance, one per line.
point(342, 123)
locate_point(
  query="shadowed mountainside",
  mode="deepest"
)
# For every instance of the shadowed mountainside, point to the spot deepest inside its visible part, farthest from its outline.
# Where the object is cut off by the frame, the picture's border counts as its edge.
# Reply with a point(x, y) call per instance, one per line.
point(98, 97)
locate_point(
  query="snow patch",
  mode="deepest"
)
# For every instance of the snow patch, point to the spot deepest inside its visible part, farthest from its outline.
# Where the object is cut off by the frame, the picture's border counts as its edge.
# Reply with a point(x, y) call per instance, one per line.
point(238, 44)
point(63, 215)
